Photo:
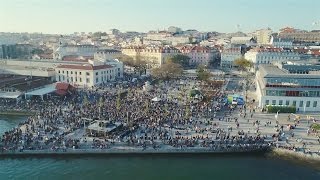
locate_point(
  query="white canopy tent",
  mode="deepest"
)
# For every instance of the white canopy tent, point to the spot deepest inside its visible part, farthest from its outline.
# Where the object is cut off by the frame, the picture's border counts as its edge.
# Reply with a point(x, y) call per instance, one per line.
point(42, 91)
point(156, 99)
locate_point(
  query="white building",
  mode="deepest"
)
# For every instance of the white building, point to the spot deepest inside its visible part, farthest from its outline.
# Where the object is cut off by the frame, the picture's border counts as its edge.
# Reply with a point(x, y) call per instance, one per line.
point(277, 86)
point(281, 43)
point(79, 50)
point(86, 75)
point(270, 55)
point(247, 40)
point(229, 55)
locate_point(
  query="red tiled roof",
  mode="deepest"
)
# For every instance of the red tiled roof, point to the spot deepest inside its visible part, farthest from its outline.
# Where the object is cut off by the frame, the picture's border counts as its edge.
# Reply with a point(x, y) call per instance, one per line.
point(61, 92)
point(62, 86)
point(85, 67)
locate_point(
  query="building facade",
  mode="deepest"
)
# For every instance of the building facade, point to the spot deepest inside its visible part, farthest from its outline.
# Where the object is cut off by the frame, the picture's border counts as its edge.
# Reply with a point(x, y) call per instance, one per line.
point(87, 75)
point(79, 50)
point(107, 54)
point(155, 56)
point(229, 55)
point(270, 55)
point(277, 86)
point(199, 54)
point(263, 36)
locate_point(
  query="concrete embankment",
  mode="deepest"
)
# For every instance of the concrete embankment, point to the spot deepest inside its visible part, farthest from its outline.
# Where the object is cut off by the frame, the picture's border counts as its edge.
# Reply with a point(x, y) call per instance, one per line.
point(297, 157)
point(123, 152)
point(17, 113)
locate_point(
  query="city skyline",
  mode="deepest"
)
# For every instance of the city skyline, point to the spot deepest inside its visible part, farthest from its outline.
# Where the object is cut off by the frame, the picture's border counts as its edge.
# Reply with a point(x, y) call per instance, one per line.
point(66, 16)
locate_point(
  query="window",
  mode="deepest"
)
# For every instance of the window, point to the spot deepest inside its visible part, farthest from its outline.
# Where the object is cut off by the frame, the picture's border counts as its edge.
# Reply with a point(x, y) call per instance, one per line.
point(88, 80)
point(80, 79)
point(59, 78)
point(88, 74)
point(71, 79)
point(308, 104)
point(97, 73)
point(62, 72)
point(280, 102)
point(59, 71)
point(287, 102)
point(80, 73)
point(315, 103)
point(267, 102)
point(76, 72)
point(294, 103)
point(67, 72)
point(97, 80)
point(71, 72)
point(301, 104)
point(274, 102)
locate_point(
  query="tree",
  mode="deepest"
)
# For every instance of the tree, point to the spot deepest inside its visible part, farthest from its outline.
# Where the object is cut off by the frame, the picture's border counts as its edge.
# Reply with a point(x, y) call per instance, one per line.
point(202, 73)
point(183, 60)
point(168, 70)
point(243, 64)
point(139, 63)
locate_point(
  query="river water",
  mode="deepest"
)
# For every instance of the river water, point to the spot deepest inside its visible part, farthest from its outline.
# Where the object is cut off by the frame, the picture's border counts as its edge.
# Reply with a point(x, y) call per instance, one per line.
point(158, 167)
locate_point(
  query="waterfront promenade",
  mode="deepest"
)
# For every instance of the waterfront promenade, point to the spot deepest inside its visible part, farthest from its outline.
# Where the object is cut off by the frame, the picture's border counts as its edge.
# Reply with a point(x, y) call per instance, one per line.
point(175, 124)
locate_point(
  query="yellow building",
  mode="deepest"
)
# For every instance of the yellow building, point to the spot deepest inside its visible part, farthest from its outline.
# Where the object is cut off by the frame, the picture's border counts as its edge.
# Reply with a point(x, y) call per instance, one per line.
point(156, 56)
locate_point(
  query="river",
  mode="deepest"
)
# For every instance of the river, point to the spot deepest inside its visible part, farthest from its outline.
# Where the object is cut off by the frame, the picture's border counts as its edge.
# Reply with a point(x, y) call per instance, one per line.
point(150, 167)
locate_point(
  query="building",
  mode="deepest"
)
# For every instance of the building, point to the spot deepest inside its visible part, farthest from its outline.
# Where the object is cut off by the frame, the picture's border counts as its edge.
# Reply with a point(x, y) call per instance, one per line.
point(86, 75)
point(79, 50)
point(15, 51)
point(281, 43)
point(107, 54)
point(247, 40)
point(173, 29)
point(276, 86)
point(270, 55)
point(263, 36)
point(199, 54)
point(229, 55)
point(301, 36)
point(154, 55)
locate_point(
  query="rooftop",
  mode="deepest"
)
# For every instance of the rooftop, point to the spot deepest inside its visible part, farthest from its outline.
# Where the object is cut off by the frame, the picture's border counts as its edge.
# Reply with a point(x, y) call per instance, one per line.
point(271, 71)
point(85, 67)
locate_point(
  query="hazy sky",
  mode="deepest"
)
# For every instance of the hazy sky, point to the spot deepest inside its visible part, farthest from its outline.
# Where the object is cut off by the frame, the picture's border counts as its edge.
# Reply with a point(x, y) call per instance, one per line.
point(68, 16)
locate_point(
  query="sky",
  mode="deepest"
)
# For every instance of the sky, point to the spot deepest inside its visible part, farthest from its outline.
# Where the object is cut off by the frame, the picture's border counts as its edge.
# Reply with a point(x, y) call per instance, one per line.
point(68, 16)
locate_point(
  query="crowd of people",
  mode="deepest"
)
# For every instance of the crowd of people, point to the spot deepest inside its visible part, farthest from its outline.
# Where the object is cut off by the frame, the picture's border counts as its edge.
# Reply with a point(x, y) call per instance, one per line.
point(174, 120)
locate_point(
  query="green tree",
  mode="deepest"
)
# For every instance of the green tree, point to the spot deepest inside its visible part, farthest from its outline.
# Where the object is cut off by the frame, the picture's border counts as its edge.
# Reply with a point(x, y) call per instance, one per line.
point(168, 70)
point(243, 64)
point(202, 73)
point(139, 63)
point(180, 59)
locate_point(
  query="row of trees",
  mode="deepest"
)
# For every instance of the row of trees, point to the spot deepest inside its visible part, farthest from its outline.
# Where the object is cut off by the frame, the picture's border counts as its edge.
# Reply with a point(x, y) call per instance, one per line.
point(175, 65)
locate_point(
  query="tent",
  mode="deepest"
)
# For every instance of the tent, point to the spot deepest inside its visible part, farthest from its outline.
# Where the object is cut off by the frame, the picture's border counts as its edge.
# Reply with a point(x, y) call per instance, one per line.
point(156, 99)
